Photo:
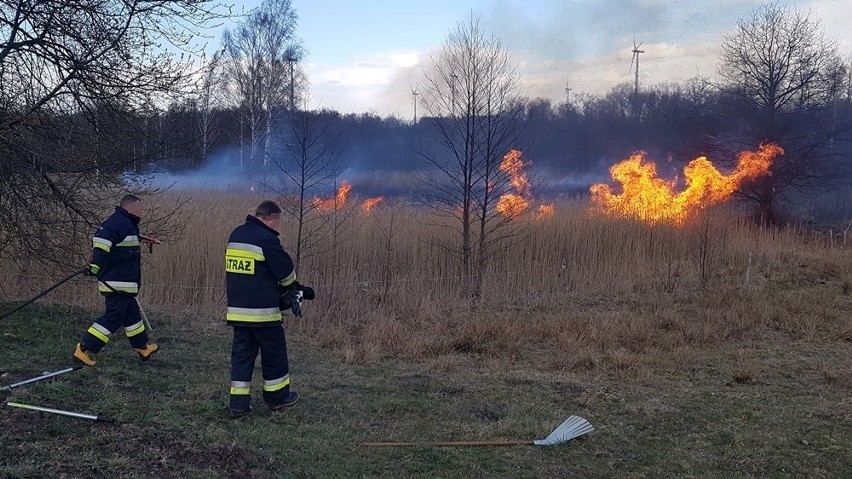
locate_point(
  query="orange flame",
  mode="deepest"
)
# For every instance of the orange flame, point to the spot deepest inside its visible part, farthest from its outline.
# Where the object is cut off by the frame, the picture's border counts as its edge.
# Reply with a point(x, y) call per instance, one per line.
point(650, 198)
point(514, 165)
point(511, 205)
point(514, 204)
point(328, 204)
point(544, 211)
point(371, 203)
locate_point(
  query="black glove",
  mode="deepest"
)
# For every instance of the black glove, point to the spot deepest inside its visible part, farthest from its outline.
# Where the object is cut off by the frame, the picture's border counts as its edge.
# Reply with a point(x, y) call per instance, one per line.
point(291, 299)
point(92, 270)
point(307, 292)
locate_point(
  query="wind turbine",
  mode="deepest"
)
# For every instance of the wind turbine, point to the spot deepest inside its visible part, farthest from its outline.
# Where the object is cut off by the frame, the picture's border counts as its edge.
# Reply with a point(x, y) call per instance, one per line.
point(414, 94)
point(636, 51)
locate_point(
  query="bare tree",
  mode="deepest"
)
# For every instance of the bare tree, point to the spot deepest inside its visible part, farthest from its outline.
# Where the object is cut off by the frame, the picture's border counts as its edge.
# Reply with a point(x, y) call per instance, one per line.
point(258, 63)
point(469, 94)
point(849, 79)
point(72, 77)
point(312, 142)
point(207, 97)
point(783, 76)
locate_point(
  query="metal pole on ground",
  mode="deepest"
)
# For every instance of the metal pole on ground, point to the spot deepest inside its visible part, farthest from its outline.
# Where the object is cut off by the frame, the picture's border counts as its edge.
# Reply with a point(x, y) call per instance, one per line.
point(39, 378)
point(79, 415)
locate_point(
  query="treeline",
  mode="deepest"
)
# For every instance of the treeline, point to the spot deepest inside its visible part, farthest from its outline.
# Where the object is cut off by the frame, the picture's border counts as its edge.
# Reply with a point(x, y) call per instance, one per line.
point(675, 121)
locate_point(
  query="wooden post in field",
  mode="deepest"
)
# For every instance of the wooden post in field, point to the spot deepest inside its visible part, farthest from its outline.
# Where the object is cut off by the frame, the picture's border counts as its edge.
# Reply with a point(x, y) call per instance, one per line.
point(831, 233)
point(748, 268)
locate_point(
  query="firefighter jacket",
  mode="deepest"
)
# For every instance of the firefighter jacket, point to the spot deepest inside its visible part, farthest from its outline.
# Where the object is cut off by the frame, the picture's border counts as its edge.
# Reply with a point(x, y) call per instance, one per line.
point(255, 266)
point(115, 250)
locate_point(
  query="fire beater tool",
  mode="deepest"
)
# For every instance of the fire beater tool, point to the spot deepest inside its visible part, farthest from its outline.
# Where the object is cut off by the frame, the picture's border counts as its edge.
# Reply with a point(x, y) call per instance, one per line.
point(144, 316)
point(571, 428)
point(80, 415)
point(58, 284)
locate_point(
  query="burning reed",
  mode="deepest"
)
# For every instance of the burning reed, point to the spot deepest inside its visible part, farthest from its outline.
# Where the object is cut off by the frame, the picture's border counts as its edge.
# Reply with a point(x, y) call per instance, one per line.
point(647, 197)
point(582, 289)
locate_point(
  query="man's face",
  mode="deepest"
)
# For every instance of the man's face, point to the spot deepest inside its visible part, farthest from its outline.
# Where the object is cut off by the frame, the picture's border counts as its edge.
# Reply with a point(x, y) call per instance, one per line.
point(273, 221)
point(134, 208)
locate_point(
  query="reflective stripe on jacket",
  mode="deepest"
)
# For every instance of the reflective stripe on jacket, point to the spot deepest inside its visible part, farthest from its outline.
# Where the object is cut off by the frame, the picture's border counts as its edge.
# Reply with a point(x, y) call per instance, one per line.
point(115, 249)
point(255, 264)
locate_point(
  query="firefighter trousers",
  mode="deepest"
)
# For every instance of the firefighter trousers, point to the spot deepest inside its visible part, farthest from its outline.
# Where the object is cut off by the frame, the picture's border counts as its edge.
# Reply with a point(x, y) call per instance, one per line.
point(122, 311)
point(272, 345)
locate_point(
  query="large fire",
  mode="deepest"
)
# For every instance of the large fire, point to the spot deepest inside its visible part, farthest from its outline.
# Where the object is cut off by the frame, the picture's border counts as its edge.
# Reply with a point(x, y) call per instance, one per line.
point(512, 205)
point(336, 201)
point(647, 197)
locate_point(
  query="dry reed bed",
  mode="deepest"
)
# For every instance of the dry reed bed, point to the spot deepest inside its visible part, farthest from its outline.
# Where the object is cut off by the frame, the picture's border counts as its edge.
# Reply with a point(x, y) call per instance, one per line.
point(573, 292)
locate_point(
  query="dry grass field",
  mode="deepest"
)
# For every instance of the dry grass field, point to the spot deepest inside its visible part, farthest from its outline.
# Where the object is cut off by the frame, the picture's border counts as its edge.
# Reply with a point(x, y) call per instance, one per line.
point(713, 348)
point(575, 291)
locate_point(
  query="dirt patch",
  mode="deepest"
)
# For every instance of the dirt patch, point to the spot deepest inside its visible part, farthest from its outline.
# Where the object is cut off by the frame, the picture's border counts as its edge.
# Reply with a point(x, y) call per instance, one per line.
point(118, 450)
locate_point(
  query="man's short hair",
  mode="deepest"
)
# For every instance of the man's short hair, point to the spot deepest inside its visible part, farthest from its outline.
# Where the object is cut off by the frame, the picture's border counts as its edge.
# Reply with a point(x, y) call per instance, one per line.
point(128, 199)
point(267, 209)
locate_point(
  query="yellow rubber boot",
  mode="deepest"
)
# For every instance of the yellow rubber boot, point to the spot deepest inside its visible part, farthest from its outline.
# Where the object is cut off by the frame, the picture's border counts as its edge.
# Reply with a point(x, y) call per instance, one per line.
point(148, 351)
point(83, 356)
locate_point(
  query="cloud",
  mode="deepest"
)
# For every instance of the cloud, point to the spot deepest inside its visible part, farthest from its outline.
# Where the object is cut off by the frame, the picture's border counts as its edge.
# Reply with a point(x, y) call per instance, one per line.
point(834, 19)
point(661, 63)
point(356, 86)
point(583, 44)
point(542, 77)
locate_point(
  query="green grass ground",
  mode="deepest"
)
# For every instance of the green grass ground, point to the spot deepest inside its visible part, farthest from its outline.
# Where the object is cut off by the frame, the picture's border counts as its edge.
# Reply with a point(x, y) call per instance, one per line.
point(768, 408)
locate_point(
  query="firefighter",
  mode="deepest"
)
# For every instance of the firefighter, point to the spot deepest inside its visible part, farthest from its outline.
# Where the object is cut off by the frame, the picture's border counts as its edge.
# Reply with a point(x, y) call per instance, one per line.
point(116, 262)
point(261, 281)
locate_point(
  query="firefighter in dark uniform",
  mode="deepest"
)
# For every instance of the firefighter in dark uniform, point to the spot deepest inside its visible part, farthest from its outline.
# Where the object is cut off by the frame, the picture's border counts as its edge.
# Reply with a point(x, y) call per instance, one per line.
point(261, 282)
point(116, 262)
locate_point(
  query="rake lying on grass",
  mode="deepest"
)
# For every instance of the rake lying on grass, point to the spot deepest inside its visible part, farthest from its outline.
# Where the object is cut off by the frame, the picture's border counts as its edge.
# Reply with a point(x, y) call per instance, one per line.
point(571, 428)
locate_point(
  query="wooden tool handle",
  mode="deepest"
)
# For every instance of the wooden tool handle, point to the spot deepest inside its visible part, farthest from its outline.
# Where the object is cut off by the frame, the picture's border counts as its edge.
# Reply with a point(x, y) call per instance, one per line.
point(447, 443)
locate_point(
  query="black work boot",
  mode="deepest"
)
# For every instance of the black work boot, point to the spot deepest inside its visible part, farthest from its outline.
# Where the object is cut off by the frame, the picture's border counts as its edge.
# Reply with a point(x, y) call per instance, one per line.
point(291, 399)
point(238, 414)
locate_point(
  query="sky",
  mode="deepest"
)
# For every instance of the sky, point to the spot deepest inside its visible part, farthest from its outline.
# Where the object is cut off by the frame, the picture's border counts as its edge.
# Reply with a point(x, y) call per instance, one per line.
point(367, 55)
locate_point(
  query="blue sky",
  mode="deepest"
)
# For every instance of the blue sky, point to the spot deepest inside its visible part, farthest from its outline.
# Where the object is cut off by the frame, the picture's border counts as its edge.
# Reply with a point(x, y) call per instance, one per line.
point(366, 55)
